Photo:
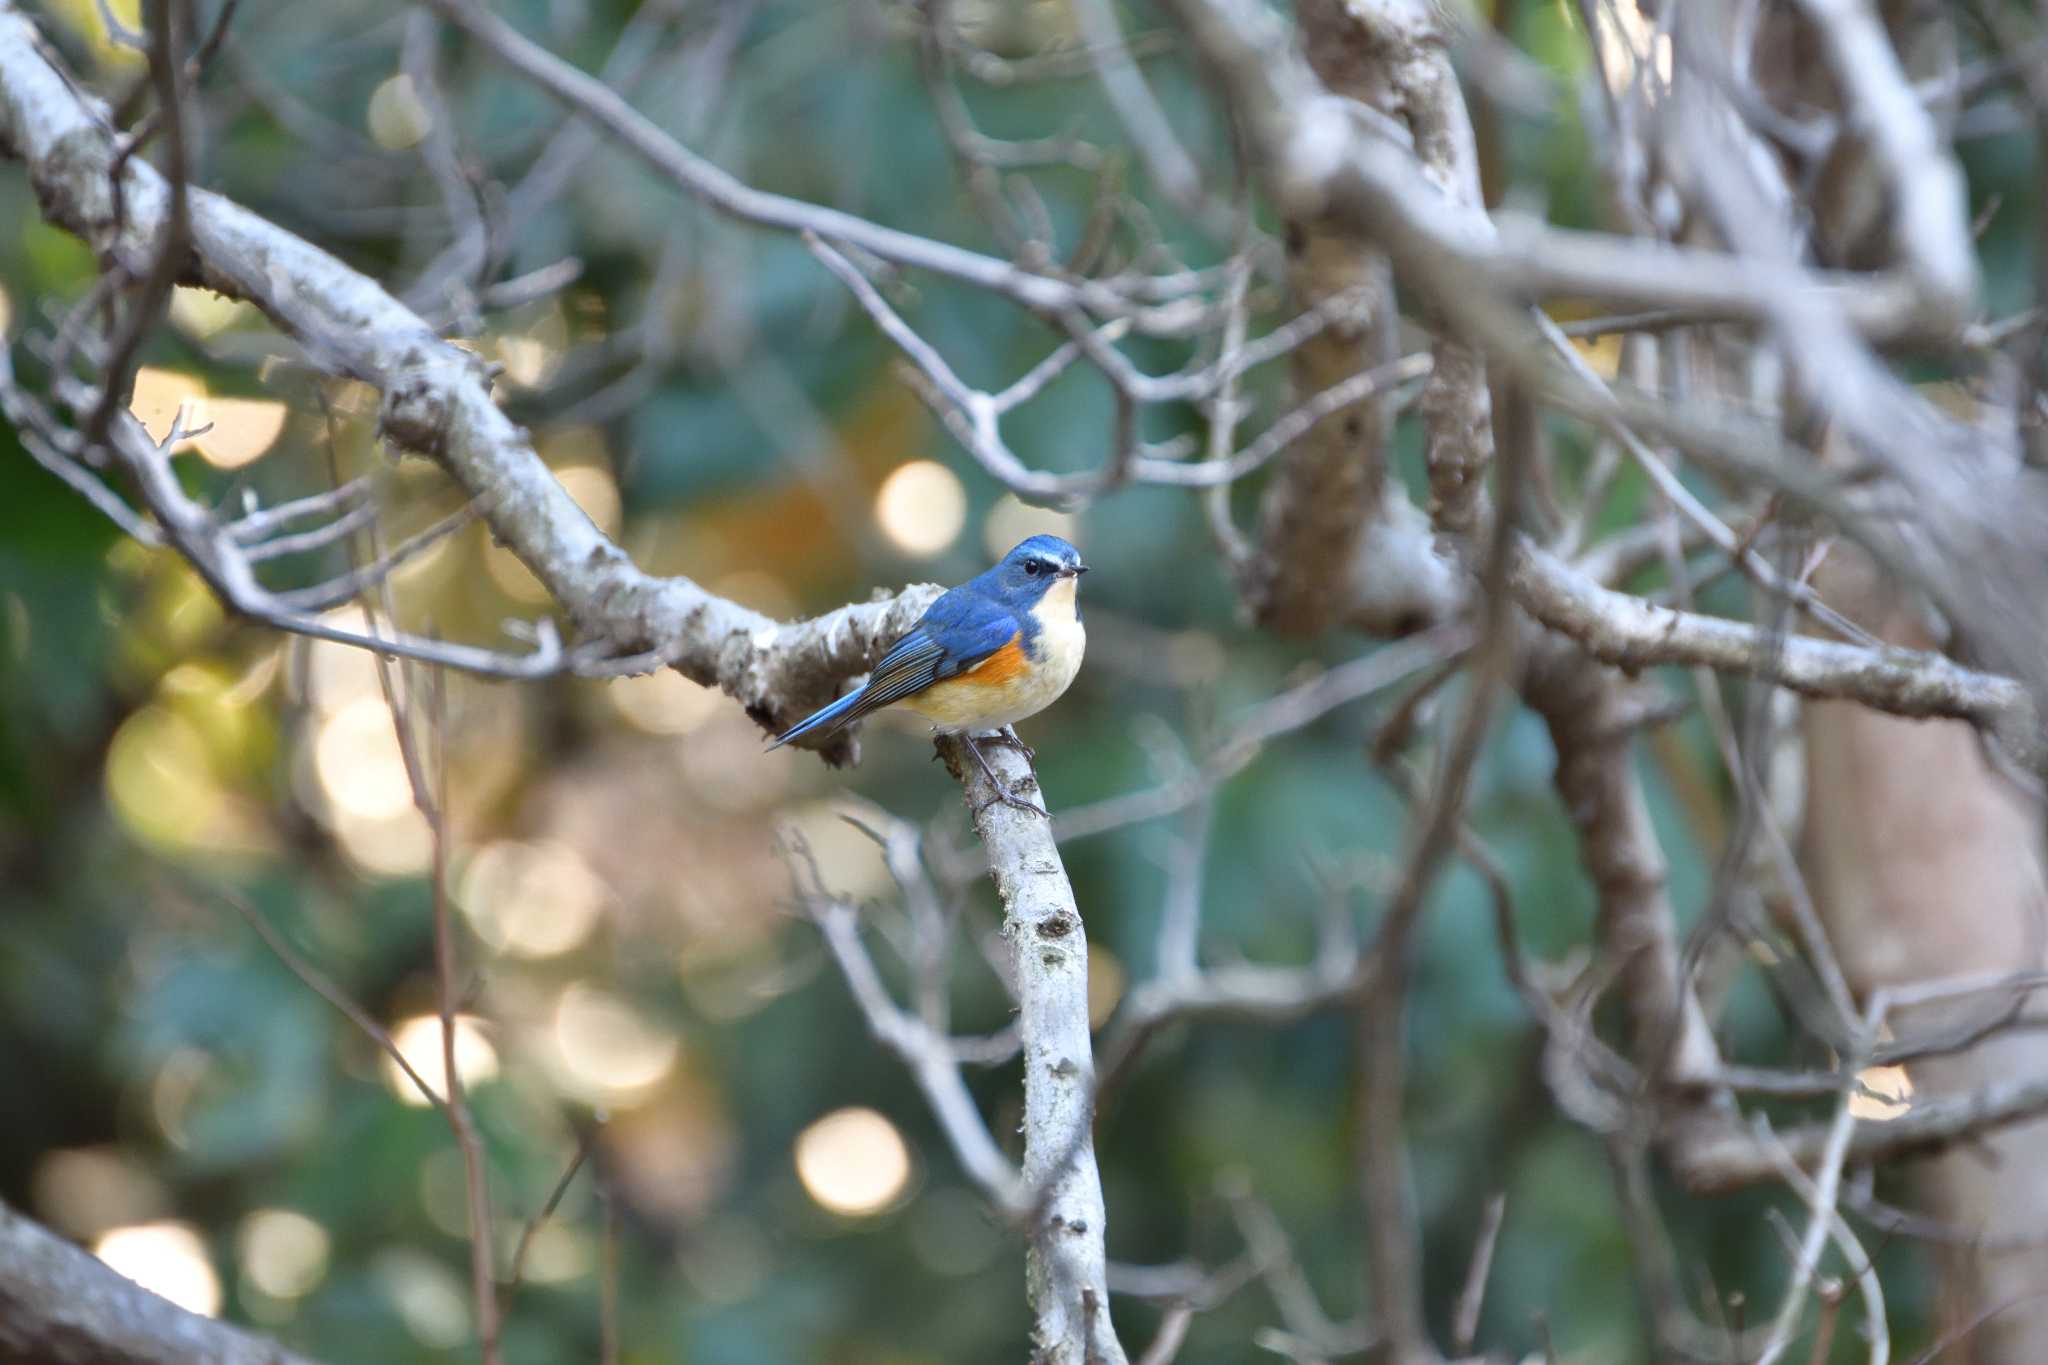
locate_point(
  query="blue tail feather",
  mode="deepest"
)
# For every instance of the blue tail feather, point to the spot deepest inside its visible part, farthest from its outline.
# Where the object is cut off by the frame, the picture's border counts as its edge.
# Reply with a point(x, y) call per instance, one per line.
point(833, 716)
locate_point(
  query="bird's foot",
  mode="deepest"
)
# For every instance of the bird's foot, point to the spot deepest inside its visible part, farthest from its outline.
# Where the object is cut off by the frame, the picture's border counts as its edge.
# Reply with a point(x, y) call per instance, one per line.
point(1004, 796)
point(1002, 789)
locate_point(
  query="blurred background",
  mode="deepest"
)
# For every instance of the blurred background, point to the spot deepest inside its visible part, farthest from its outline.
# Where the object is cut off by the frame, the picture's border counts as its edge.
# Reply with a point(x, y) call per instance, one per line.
point(767, 1183)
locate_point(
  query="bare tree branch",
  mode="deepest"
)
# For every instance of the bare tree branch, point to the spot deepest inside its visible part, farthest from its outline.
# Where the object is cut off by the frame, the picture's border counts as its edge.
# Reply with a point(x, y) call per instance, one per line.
point(930, 1057)
point(1323, 159)
point(1925, 183)
point(1626, 631)
point(1714, 1157)
point(62, 1306)
point(1066, 1272)
point(1407, 65)
point(605, 107)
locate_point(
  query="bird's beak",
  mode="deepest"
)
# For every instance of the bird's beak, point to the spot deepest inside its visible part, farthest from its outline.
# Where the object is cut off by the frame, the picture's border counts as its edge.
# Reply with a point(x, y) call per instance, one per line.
point(1074, 572)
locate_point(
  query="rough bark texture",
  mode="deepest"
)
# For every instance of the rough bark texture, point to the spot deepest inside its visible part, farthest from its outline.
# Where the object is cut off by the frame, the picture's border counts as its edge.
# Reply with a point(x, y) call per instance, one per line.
point(1412, 80)
point(1340, 541)
point(1593, 716)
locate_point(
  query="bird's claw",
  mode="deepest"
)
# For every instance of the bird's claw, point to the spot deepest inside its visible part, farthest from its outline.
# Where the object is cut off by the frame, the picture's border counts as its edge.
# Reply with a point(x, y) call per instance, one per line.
point(1001, 788)
point(1004, 796)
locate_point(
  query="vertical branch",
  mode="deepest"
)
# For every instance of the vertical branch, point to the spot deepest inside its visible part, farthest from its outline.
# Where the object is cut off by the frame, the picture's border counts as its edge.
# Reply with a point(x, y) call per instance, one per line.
point(429, 788)
point(476, 1178)
point(429, 796)
point(1338, 540)
point(1394, 1271)
point(608, 1273)
point(174, 244)
point(1066, 1265)
point(1411, 80)
point(1592, 716)
point(1825, 1190)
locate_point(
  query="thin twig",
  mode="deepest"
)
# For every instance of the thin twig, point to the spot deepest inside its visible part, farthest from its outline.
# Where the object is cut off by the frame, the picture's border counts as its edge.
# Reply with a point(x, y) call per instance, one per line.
point(584, 1144)
point(1465, 1321)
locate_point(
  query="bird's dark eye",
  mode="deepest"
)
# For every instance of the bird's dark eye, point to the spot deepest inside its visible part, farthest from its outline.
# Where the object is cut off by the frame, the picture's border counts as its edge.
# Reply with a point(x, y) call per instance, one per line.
point(1033, 567)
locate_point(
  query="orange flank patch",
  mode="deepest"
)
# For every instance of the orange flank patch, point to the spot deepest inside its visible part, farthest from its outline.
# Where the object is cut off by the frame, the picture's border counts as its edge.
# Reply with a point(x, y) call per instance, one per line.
point(1003, 667)
point(996, 691)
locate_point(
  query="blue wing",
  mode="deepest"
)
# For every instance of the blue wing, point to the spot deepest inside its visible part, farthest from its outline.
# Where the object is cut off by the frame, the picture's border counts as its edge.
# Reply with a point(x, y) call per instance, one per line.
point(958, 631)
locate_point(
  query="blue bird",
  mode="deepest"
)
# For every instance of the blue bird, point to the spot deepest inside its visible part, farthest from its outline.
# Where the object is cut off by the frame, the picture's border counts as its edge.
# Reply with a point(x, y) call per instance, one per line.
point(987, 654)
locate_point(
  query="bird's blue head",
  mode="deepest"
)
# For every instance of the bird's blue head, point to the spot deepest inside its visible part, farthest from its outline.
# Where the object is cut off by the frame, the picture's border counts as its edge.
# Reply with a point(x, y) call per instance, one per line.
point(1037, 564)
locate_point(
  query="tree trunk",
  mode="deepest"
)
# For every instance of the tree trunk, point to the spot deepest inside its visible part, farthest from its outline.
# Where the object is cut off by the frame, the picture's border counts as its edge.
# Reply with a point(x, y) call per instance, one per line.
point(1925, 861)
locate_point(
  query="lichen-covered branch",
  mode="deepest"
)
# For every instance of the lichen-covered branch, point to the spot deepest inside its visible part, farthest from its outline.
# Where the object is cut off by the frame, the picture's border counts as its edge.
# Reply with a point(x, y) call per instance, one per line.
point(1067, 1270)
point(1621, 629)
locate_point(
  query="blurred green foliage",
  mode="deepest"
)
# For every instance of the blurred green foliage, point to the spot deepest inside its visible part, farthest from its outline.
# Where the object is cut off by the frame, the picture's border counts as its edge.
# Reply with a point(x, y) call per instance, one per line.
point(158, 762)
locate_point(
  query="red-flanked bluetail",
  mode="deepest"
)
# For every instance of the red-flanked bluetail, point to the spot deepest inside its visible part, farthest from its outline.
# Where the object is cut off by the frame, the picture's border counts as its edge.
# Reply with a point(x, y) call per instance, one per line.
point(986, 655)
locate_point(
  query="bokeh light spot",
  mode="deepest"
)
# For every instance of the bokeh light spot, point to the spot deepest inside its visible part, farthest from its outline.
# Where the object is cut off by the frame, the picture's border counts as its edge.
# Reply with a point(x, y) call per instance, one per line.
point(661, 703)
point(175, 1089)
point(283, 1252)
point(360, 766)
point(83, 1191)
point(160, 779)
point(399, 845)
point(527, 360)
point(532, 900)
point(513, 578)
point(608, 1052)
point(203, 313)
point(557, 1253)
point(397, 117)
point(1105, 984)
point(429, 1297)
point(419, 1039)
point(89, 18)
point(243, 429)
point(921, 507)
point(595, 491)
point(1882, 1093)
point(851, 863)
point(157, 397)
point(337, 674)
point(853, 1162)
point(168, 1259)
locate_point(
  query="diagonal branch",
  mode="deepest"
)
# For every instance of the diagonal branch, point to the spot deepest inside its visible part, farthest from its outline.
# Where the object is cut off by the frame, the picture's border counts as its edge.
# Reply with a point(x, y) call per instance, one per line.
point(60, 1305)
